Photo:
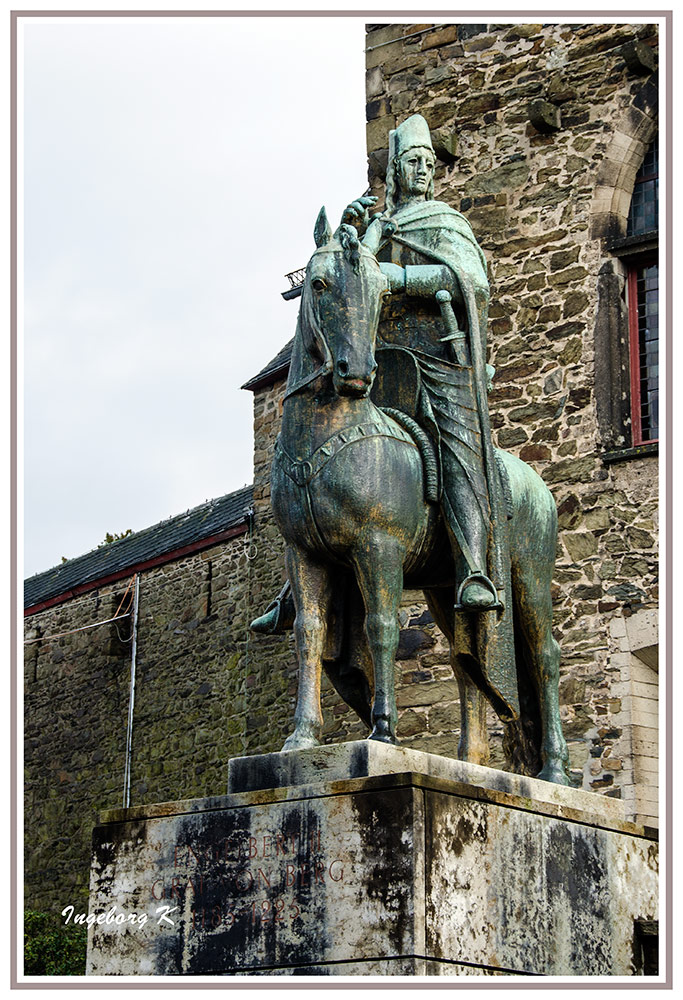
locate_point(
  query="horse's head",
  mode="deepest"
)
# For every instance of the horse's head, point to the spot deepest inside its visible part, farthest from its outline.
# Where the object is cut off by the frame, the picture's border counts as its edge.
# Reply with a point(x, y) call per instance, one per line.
point(342, 298)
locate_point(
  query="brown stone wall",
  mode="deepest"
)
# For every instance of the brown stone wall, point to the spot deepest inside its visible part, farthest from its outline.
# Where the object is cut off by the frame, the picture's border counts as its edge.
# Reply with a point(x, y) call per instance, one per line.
point(76, 697)
point(540, 202)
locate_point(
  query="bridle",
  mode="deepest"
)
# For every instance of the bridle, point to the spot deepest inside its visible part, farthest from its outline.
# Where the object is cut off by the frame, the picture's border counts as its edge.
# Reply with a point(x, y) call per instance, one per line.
point(310, 317)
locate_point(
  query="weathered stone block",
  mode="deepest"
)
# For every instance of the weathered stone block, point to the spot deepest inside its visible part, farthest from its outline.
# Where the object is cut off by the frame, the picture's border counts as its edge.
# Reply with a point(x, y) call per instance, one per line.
point(443, 35)
point(445, 142)
point(503, 178)
point(544, 116)
point(639, 58)
point(374, 82)
point(462, 873)
point(378, 131)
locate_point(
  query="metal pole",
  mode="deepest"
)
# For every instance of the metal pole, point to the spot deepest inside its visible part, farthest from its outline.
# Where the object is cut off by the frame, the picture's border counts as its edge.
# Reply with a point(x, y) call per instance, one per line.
point(131, 696)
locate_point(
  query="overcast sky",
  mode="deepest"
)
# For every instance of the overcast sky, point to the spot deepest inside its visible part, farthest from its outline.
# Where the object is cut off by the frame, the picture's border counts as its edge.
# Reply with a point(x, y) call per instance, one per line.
point(173, 171)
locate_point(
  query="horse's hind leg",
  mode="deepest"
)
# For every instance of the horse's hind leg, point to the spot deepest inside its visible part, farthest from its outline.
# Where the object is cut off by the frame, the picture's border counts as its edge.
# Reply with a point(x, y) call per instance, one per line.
point(474, 737)
point(473, 745)
point(535, 614)
point(311, 589)
point(349, 666)
point(379, 571)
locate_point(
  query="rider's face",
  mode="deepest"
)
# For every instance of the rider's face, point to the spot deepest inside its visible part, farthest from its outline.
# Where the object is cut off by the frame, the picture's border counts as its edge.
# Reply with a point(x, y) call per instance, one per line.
point(415, 171)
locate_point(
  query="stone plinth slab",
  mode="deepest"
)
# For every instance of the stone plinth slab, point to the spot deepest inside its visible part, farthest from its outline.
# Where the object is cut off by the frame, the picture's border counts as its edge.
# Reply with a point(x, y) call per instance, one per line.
point(367, 758)
point(394, 874)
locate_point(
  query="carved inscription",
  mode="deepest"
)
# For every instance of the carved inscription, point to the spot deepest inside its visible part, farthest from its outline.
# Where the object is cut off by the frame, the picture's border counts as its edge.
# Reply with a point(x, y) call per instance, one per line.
point(257, 879)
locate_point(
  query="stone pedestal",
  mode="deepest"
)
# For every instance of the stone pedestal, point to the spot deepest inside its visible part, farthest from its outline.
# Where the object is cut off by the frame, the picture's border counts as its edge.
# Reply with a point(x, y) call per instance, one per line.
point(365, 859)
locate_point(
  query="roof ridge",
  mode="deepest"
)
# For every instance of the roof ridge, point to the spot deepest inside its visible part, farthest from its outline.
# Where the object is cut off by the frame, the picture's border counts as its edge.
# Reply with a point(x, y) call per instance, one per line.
point(175, 532)
point(140, 531)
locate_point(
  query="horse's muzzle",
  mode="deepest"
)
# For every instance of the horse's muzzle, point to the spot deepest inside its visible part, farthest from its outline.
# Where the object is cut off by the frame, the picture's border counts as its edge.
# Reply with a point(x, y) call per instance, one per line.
point(350, 383)
point(353, 385)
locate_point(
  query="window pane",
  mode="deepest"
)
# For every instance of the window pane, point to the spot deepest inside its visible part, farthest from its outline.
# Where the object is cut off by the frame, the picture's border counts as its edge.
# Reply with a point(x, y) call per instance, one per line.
point(646, 352)
point(644, 211)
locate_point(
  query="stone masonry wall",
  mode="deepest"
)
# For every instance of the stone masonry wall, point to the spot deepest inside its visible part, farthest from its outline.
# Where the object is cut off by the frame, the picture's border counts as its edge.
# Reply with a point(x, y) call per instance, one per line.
point(190, 711)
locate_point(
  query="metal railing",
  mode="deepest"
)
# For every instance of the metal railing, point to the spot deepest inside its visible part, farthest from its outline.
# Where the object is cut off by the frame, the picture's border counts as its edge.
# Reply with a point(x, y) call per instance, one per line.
point(296, 283)
point(296, 278)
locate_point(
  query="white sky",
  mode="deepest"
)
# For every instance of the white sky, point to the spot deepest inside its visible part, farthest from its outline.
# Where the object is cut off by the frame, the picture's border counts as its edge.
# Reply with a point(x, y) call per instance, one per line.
point(173, 171)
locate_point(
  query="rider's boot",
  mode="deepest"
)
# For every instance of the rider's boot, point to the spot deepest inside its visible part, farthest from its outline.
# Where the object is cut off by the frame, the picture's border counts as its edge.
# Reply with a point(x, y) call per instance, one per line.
point(476, 592)
point(476, 596)
point(278, 617)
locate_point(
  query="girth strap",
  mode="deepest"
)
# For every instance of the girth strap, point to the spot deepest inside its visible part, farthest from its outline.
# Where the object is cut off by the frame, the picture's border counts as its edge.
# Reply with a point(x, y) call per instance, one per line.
point(302, 473)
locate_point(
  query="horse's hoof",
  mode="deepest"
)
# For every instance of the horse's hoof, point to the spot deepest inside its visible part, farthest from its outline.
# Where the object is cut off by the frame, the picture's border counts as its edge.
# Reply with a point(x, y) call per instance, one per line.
point(555, 773)
point(382, 733)
point(300, 741)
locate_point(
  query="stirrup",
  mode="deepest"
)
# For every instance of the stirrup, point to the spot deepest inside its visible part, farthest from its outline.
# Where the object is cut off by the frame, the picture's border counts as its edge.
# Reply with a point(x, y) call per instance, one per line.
point(481, 578)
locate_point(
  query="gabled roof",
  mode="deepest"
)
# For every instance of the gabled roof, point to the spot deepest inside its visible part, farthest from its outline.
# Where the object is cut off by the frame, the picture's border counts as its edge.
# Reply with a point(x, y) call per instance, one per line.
point(205, 525)
point(274, 370)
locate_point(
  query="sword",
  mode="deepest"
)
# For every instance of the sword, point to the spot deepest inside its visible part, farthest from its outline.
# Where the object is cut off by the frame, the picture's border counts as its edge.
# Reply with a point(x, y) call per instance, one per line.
point(455, 336)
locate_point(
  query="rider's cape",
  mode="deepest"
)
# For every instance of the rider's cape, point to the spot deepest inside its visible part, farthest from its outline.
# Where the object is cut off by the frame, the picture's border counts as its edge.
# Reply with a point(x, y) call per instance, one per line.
point(448, 399)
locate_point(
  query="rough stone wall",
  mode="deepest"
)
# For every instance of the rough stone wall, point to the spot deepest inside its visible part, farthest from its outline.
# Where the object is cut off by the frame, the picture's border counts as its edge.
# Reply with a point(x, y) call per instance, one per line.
point(190, 712)
point(530, 196)
point(76, 697)
point(272, 676)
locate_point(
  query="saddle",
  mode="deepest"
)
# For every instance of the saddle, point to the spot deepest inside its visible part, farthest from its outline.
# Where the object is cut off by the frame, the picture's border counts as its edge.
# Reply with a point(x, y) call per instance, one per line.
point(398, 392)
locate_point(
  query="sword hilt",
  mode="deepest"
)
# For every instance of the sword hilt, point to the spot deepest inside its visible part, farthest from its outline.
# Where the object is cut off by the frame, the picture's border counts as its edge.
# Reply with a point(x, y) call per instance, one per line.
point(455, 336)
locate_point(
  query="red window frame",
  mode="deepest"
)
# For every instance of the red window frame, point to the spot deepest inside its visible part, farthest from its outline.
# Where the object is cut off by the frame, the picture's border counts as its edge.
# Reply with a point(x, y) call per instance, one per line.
point(634, 352)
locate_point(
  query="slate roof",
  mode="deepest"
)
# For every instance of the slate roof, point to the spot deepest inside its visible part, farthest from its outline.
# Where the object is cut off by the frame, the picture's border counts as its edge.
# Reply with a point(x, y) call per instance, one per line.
point(202, 522)
point(275, 369)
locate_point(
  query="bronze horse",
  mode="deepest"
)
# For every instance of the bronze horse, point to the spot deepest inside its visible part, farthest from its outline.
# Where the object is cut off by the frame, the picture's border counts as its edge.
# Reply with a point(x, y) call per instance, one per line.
point(348, 493)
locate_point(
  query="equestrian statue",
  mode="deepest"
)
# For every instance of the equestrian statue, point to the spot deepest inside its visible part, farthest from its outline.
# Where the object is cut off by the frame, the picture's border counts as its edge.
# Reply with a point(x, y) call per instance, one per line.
point(385, 476)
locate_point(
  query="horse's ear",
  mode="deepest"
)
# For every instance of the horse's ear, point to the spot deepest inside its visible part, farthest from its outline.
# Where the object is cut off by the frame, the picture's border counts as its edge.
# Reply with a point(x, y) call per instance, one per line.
point(323, 231)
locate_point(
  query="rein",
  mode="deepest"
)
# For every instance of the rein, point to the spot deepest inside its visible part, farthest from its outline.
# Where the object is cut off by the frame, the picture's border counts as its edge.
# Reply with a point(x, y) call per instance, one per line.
point(324, 369)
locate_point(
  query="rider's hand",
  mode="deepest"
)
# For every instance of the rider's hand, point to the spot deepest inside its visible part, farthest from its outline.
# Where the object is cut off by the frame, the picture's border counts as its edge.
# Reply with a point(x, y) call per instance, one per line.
point(396, 275)
point(357, 213)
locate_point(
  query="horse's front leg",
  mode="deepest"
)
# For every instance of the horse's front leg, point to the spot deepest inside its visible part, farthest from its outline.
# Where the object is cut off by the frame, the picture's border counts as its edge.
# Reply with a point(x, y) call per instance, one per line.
point(379, 570)
point(311, 590)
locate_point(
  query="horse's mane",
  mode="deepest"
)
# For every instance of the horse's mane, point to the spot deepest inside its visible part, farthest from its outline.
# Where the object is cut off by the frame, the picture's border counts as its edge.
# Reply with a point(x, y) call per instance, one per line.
point(350, 244)
point(309, 343)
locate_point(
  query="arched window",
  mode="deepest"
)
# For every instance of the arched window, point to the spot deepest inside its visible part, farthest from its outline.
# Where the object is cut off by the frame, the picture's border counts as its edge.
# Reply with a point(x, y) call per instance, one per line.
point(643, 302)
point(627, 328)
